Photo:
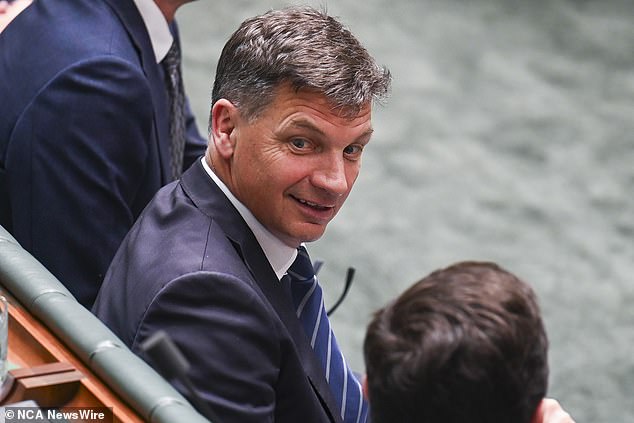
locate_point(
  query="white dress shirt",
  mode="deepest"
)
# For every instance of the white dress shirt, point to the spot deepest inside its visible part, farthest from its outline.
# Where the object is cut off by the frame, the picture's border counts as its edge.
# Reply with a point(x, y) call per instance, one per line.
point(157, 27)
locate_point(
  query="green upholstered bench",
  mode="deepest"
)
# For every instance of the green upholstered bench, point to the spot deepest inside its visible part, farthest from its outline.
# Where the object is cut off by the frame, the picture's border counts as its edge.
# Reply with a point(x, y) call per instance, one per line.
point(102, 351)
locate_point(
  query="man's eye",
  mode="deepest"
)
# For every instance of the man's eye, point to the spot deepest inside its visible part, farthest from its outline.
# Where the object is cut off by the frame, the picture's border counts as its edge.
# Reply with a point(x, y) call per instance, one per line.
point(299, 143)
point(353, 150)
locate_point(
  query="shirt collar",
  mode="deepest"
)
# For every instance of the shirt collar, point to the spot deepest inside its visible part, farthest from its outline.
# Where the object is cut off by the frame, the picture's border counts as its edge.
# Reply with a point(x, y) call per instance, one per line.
point(157, 27)
point(279, 255)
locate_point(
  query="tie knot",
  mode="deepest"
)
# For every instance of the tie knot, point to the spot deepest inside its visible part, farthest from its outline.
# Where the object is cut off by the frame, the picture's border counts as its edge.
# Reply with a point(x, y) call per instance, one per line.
point(302, 268)
point(172, 59)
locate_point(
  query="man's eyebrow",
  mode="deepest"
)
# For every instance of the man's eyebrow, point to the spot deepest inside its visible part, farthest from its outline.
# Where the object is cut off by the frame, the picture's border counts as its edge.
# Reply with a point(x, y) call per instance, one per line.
point(306, 124)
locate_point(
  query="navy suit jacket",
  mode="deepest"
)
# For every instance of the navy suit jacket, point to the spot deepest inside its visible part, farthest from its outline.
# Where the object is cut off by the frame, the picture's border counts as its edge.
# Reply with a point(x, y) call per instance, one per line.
point(84, 133)
point(192, 267)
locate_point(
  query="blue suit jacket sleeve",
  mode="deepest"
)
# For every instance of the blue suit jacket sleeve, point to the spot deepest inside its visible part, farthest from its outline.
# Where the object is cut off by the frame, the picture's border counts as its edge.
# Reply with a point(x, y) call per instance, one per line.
point(209, 316)
point(85, 148)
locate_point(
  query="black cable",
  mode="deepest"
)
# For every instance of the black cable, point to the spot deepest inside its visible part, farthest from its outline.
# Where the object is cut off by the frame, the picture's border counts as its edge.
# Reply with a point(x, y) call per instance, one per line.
point(349, 277)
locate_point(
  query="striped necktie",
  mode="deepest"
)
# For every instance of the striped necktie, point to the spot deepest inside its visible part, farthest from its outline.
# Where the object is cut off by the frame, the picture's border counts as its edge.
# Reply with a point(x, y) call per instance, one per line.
point(309, 305)
point(176, 93)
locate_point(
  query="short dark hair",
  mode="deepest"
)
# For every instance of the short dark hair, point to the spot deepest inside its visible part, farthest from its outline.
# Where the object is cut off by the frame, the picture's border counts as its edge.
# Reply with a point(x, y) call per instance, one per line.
point(305, 48)
point(464, 344)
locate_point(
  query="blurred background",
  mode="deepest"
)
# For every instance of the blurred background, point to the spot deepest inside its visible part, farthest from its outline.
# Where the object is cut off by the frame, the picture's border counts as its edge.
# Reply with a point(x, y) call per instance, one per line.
point(509, 136)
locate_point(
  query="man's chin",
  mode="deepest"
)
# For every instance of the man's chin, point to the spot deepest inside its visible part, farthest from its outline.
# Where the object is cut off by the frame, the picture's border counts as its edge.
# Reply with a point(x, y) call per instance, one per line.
point(313, 232)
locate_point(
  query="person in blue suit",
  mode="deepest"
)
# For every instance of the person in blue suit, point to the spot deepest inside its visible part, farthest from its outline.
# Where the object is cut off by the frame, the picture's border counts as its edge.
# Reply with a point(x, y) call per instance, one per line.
point(84, 129)
point(216, 259)
point(208, 260)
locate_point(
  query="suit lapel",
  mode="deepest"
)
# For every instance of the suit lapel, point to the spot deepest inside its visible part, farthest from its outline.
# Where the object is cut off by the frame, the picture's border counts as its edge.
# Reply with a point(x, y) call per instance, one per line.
point(276, 293)
point(129, 15)
point(210, 199)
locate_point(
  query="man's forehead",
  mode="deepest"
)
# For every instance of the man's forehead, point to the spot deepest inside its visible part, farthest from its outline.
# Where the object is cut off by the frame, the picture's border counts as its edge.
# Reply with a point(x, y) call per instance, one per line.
point(351, 112)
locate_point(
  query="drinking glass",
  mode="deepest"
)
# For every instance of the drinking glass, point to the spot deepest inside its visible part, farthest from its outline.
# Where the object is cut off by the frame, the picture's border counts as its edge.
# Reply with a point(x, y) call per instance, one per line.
point(4, 337)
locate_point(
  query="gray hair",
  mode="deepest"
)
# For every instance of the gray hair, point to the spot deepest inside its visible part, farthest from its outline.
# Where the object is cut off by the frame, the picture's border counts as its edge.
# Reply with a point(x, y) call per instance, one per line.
point(305, 48)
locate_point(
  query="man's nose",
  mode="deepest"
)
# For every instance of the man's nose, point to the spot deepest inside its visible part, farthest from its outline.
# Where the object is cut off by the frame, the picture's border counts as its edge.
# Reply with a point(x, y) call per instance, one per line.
point(331, 176)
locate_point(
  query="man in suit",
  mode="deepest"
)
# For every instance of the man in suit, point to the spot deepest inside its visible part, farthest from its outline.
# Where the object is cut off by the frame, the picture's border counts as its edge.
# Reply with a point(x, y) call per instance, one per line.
point(217, 260)
point(207, 260)
point(465, 343)
point(85, 129)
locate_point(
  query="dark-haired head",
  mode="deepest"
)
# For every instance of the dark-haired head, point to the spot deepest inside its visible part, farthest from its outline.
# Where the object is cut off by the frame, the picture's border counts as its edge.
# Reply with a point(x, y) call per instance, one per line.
point(464, 344)
point(301, 47)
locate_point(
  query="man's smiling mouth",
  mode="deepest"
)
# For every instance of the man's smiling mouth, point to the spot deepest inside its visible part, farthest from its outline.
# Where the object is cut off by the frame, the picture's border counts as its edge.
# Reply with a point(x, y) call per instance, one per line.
point(311, 204)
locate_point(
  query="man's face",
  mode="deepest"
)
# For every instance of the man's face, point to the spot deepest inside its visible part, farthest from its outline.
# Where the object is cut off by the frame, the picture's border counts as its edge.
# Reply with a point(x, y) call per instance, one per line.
point(295, 165)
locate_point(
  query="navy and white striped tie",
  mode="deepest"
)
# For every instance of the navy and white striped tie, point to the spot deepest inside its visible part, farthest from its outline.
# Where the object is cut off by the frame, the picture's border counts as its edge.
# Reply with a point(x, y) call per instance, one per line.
point(309, 304)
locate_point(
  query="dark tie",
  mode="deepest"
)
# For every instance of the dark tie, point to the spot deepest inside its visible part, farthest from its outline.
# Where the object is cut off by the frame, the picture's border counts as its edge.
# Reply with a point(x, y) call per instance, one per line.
point(172, 67)
point(309, 304)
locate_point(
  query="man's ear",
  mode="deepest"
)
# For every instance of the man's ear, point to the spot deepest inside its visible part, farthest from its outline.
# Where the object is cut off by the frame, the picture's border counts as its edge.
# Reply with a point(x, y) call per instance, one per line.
point(538, 414)
point(549, 411)
point(364, 387)
point(223, 123)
